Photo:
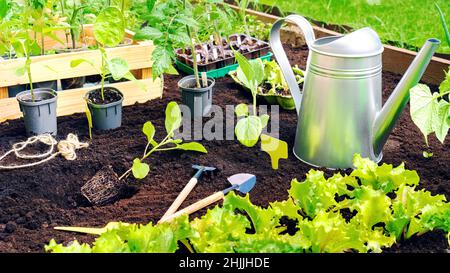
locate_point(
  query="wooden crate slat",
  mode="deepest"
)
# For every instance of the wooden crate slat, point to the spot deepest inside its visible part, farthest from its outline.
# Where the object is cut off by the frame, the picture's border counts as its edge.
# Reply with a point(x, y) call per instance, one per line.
point(53, 67)
point(71, 101)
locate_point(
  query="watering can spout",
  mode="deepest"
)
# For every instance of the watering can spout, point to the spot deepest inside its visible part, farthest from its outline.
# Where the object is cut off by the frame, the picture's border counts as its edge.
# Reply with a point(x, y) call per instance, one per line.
point(389, 114)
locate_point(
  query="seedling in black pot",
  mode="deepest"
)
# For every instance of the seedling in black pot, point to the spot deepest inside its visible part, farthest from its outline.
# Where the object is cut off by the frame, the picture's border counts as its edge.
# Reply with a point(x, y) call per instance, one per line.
point(37, 105)
point(105, 103)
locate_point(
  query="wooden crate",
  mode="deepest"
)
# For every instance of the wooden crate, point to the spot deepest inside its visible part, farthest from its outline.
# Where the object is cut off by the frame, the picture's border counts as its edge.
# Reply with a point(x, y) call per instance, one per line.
point(57, 67)
point(395, 60)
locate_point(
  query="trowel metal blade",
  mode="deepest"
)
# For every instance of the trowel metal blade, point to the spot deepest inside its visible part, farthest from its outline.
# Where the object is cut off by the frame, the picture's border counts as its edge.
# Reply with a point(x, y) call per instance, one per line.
point(244, 182)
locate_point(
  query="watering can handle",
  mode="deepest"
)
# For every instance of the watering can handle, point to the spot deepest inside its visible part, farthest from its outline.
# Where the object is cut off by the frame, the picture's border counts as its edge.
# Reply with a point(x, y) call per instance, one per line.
point(280, 54)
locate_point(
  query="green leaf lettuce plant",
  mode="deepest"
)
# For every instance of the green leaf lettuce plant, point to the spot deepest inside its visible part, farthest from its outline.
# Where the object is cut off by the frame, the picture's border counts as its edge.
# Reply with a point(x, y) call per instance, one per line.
point(386, 207)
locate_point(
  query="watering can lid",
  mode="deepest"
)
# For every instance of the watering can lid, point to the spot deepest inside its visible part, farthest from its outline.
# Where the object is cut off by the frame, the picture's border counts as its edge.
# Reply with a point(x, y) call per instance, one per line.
point(361, 43)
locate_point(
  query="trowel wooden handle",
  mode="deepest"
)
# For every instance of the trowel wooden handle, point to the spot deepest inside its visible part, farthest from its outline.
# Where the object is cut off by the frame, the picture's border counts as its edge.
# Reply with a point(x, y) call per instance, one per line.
point(181, 197)
point(195, 207)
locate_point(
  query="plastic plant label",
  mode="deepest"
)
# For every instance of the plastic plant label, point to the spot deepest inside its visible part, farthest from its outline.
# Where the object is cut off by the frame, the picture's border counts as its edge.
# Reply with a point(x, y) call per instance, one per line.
point(199, 58)
point(215, 54)
point(239, 41)
point(277, 149)
point(204, 79)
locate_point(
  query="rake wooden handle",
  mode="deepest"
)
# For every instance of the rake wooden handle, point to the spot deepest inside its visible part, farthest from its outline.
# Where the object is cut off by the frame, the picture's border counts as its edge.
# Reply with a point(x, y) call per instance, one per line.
point(195, 207)
point(181, 197)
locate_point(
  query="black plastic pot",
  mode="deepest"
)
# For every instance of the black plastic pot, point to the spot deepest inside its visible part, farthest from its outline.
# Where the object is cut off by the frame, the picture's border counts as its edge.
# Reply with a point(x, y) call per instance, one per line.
point(199, 100)
point(106, 116)
point(39, 116)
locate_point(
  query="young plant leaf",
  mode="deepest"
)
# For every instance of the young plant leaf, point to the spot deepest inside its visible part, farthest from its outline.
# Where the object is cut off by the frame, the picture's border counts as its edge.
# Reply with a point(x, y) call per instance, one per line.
point(149, 130)
point(148, 33)
point(109, 27)
point(248, 130)
point(241, 110)
point(173, 117)
point(140, 170)
point(424, 109)
point(440, 125)
point(21, 71)
point(118, 68)
point(192, 146)
point(89, 120)
point(445, 85)
point(77, 62)
point(264, 120)
point(245, 66)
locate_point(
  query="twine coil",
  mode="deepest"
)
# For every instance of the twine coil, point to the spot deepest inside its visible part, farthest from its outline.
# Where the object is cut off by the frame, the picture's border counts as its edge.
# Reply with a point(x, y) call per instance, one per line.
point(67, 148)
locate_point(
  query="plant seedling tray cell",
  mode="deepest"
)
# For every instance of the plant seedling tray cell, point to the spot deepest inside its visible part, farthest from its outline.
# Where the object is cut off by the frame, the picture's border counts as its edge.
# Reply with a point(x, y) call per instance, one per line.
point(220, 72)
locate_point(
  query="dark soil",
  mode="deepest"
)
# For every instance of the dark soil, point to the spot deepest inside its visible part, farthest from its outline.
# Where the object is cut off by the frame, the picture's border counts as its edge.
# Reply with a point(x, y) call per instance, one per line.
point(111, 95)
point(34, 200)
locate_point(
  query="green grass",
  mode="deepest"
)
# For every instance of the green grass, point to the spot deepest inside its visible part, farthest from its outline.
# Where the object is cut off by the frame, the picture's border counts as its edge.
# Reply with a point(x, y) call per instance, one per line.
point(403, 23)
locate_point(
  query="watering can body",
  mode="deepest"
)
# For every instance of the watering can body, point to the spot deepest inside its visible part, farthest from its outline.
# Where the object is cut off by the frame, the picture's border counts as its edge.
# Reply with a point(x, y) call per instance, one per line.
point(340, 107)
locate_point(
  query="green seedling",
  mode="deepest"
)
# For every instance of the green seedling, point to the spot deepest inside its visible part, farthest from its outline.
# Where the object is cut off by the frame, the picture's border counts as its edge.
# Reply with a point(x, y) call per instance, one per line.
point(216, 20)
point(249, 128)
point(166, 27)
point(43, 21)
point(243, 5)
point(25, 47)
point(431, 111)
point(275, 148)
point(386, 204)
point(76, 23)
point(109, 31)
point(275, 78)
point(89, 120)
point(173, 121)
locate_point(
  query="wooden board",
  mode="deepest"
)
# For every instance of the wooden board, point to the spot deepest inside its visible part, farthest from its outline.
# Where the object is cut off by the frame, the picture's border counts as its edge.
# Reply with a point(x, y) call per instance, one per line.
point(395, 60)
point(54, 67)
point(71, 101)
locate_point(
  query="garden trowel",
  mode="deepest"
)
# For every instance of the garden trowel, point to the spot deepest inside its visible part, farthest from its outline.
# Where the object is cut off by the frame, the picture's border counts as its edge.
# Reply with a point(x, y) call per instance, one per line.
point(242, 182)
point(188, 188)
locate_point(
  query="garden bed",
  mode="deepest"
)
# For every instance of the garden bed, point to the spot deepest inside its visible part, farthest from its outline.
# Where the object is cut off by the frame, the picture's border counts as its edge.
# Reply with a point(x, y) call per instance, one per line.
point(34, 200)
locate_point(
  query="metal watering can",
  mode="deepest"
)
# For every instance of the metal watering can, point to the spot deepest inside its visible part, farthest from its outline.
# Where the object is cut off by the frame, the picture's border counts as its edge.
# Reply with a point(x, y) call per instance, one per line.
point(340, 108)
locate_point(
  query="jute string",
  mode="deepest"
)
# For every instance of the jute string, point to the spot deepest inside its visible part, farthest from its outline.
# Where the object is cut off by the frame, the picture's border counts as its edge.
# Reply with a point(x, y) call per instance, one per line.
point(67, 148)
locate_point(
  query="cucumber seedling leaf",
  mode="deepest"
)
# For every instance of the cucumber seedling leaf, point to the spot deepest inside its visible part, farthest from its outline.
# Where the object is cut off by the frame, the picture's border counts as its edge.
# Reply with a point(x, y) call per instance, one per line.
point(173, 117)
point(140, 170)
